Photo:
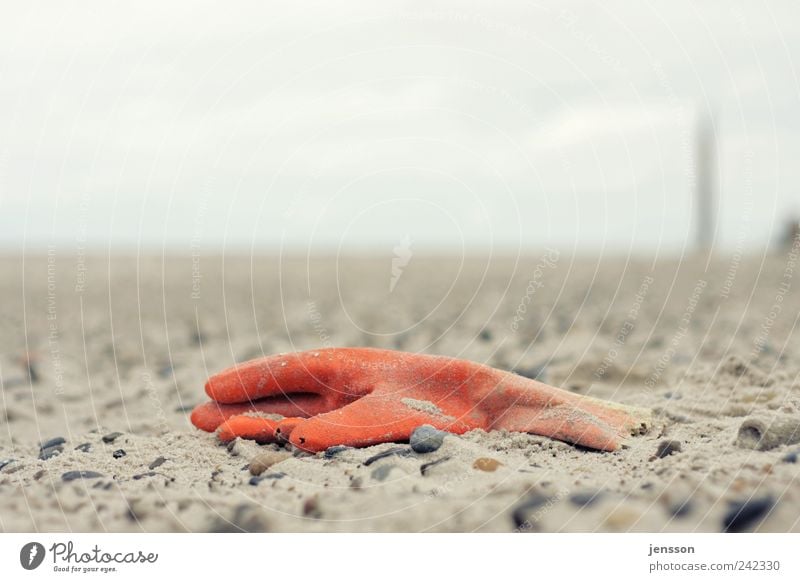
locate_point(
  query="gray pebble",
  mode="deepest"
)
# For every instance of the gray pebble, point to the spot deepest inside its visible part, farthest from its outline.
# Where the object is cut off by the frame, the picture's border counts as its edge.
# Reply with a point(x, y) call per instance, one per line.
point(682, 509)
point(54, 442)
point(523, 514)
point(157, 463)
point(258, 479)
point(742, 515)
point(50, 452)
point(110, 438)
point(5, 462)
point(426, 439)
point(165, 371)
point(585, 499)
point(790, 457)
point(331, 452)
point(666, 448)
point(380, 473)
point(119, 453)
point(84, 448)
point(143, 475)
point(72, 475)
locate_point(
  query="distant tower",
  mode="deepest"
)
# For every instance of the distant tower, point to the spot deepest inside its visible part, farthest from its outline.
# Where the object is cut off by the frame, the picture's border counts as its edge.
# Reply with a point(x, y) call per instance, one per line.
point(705, 180)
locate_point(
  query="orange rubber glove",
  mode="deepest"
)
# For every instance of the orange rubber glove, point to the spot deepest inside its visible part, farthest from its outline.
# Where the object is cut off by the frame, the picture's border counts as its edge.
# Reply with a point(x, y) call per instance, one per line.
point(361, 397)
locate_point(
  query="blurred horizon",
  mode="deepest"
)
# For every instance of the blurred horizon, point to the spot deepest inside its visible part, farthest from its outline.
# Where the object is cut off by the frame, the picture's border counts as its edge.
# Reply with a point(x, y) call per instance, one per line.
point(442, 127)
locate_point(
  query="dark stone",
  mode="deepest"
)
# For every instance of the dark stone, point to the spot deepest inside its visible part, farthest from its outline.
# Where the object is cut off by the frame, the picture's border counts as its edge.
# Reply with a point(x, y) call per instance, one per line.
point(426, 467)
point(54, 442)
point(143, 475)
point(33, 372)
point(682, 509)
point(157, 463)
point(311, 508)
point(426, 439)
point(72, 475)
point(522, 512)
point(5, 462)
point(164, 371)
point(742, 515)
point(382, 472)
point(331, 452)
point(399, 451)
point(263, 477)
point(119, 453)
point(84, 448)
point(585, 499)
point(184, 408)
point(790, 457)
point(50, 452)
point(110, 438)
point(666, 448)
point(485, 335)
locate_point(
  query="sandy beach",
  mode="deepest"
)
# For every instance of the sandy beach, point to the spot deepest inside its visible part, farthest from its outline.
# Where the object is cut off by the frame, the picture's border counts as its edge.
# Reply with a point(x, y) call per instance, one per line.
point(107, 355)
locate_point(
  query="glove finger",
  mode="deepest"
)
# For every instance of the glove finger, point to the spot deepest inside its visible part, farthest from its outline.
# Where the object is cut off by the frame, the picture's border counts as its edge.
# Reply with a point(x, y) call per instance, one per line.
point(258, 428)
point(313, 374)
point(371, 420)
point(209, 415)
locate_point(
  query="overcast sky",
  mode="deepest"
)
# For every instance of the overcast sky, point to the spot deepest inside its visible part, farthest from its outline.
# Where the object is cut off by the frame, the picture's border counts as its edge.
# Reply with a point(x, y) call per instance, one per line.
point(352, 125)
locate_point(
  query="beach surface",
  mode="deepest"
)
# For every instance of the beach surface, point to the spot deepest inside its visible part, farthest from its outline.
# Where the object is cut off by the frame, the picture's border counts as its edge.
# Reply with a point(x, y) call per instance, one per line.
point(102, 359)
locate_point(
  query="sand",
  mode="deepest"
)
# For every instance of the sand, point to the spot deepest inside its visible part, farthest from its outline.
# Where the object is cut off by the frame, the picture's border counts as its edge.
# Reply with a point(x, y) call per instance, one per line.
point(124, 345)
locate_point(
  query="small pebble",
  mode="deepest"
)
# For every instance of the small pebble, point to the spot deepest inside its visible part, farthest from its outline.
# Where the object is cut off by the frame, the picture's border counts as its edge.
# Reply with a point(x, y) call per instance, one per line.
point(84, 448)
point(522, 512)
point(184, 408)
point(50, 452)
point(380, 473)
point(485, 335)
point(399, 451)
point(54, 442)
point(427, 466)
point(426, 439)
point(666, 448)
point(331, 452)
point(5, 462)
point(486, 464)
point(790, 457)
point(255, 480)
point(119, 453)
point(164, 371)
point(742, 515)
point(311, 508)
point(264, 461)
point(622, 519)
point(682, 509)
point(110, 438)
point(72, 475)
point(157, 463)
point(143, 475)
point(585, 499)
